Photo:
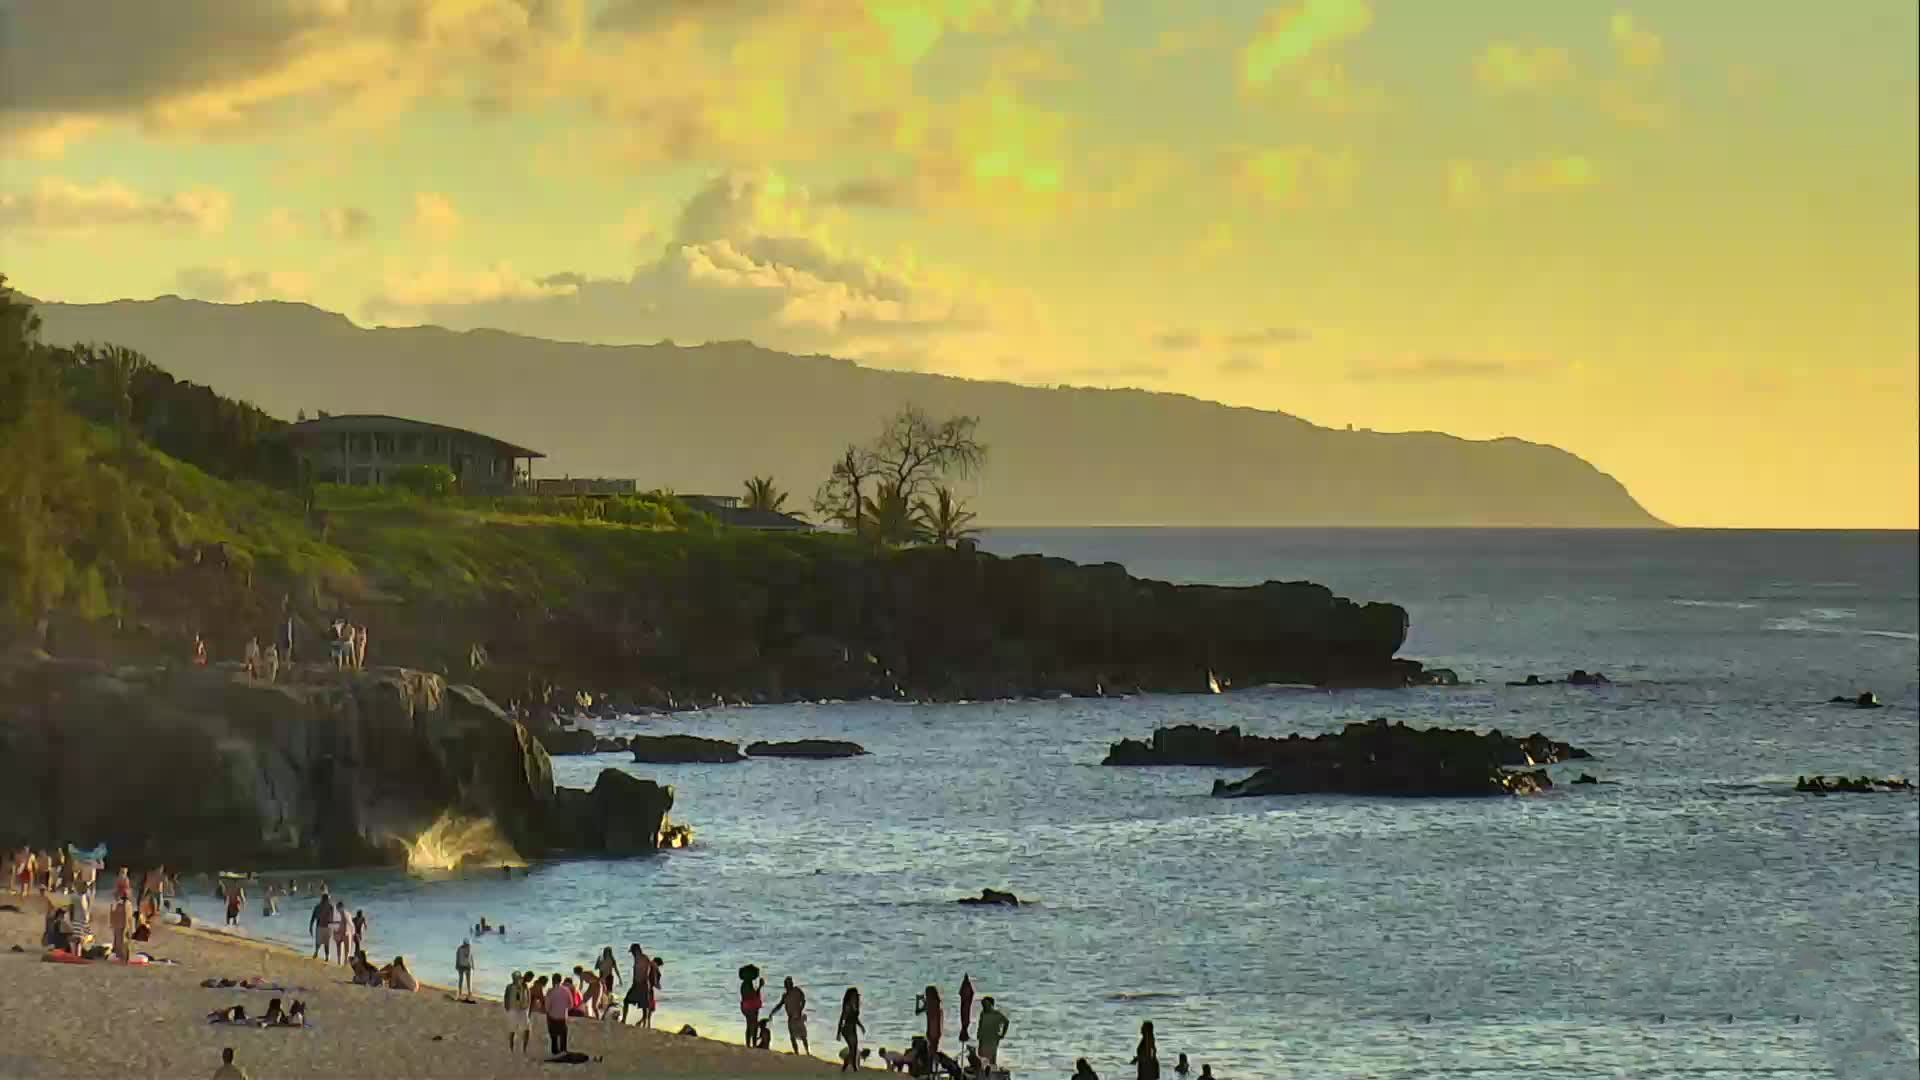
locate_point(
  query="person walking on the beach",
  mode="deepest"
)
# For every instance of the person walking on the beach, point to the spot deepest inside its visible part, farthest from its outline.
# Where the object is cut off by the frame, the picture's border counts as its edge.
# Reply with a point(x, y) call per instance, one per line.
point(793, 1002)
point(966, 1005)
point(929, 1003)
point(637, 990)
point(750, 986)
point(359, 928)
point(609, 969)
point(519, 1022)
point(993, 1028)
point(236, 899)
point(463, 970)
point(1146, 1056)
point(850, 1028)
point(228, 1070)
point(559, 1004)
point(321, 924)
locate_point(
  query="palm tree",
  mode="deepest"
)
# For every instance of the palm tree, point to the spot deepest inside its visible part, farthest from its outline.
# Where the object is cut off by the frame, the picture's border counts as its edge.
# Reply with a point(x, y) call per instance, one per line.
point(120, 369)
point(891, 517)
point(944, 518)
point(763, 495)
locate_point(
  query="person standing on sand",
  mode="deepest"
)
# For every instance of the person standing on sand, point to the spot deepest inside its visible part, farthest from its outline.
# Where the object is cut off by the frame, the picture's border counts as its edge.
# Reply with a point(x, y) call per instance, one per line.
point(850, 1028)
point(750, 1004)
point(929, 1003)
point(359, 928)
point(321, 924)
point(966, 1005)
point(463, 970)
point(342, 932)
point(519, 1020)
point(793, 1002)
point(228, 1070)
point(636, 992)
point(121, 919)
point(559, 1004)
point(236, 899)
point(993, 1028)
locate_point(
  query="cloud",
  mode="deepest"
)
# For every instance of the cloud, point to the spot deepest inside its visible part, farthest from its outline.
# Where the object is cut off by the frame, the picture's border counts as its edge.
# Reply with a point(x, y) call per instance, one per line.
point(229, 284)
point(1292, 177)
point(55, 203)
point(1563, 172)
point(1633, 44)
point(1434, 366)
point(1507, 67)
point(1182, 340)
point(349, 223)
point(749, 257)
point(1292, 35)
point(434, 214)
point(441, 286)
point(1242, 364)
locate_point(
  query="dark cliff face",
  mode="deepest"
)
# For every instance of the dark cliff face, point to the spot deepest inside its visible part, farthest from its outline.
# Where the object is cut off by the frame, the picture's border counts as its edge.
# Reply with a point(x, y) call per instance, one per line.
point(704, 418)
point(209, 768)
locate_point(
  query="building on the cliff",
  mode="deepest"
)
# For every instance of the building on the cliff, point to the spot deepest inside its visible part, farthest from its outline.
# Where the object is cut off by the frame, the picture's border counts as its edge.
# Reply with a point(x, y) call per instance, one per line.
point(362, 449)
point(726, 509)
point(598, 487)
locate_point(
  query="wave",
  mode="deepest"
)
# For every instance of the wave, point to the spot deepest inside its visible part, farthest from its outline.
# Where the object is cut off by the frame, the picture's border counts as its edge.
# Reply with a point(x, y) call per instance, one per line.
point(1902, 635)
point(1795, 624)
point(1150, 995)
point(1733, 605)
point(1827, 614)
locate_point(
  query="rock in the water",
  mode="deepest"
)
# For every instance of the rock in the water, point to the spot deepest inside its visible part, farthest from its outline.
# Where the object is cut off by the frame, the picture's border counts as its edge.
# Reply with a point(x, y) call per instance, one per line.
point(206, 768)
point(569, 740)
point(807, 748)
point(1440, 676)
point(992, 896)
point(1531, 680)
point(1861, 785)
point(1865, 699)
point(1586, 778)
point(683, 750)
point(616, 744)
point(1376, 758)
point(1583, 677)
point(621, 815)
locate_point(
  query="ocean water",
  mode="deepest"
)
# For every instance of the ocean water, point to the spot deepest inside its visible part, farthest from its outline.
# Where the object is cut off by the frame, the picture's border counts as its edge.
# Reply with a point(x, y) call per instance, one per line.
point(1696, 918)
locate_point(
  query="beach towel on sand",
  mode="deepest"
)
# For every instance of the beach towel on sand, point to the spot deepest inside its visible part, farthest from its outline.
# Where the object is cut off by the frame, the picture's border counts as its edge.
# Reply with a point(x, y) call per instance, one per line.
point(571, 1057)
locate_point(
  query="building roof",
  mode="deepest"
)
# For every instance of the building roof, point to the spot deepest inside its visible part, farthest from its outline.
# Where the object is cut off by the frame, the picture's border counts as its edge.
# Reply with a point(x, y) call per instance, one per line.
point(374, 422)
point(742, 517)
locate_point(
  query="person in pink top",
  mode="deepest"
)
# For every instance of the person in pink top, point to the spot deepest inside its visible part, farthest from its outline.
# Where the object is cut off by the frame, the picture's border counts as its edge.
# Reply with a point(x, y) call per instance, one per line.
point(561, 1000)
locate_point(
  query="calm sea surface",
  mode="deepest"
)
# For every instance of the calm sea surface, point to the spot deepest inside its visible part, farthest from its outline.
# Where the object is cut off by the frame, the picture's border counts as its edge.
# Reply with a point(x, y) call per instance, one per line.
point(1695, 919)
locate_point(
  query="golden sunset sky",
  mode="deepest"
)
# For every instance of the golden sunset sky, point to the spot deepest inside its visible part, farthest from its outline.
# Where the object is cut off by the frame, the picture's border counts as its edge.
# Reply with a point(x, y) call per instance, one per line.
point(1677, 239)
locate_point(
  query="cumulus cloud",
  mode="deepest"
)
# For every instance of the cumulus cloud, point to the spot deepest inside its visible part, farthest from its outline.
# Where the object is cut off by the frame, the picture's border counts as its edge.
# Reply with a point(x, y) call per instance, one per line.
point(232, 285)
point(55, 203)
point(349, 223)
point(405, 295)
point(749, 257)
point(435, 214)
point(1506, 67)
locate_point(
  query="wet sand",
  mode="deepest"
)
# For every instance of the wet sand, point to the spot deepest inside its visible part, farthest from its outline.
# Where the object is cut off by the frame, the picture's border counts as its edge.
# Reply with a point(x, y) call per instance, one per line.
point(111, 1019)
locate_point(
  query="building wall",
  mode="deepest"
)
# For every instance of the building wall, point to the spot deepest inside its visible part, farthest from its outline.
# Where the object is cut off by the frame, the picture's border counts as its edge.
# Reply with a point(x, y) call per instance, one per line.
point(364, 458)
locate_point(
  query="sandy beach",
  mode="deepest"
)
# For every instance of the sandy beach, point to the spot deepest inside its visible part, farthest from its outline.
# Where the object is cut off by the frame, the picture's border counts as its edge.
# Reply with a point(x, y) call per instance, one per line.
point(110, 1019)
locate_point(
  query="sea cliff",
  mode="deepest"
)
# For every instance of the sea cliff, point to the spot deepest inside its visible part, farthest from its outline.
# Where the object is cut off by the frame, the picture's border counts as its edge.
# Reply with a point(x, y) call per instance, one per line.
point(210, 767)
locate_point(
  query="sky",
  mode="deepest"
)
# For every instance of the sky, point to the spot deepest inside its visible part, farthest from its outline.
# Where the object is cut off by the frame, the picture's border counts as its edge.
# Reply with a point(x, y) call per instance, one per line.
point(1678, 240)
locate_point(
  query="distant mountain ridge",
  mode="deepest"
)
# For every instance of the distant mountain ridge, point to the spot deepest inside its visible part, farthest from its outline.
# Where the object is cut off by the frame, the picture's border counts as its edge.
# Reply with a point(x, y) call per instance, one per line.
point(703, 418)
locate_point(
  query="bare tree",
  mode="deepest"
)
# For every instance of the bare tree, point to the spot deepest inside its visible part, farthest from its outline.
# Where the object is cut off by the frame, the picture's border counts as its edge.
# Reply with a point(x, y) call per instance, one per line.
point(916, 453)
point(840, 499)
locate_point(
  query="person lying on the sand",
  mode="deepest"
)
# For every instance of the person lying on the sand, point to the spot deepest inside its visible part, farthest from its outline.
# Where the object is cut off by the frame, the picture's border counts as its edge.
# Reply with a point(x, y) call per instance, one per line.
point(232, 1014)
point(364, 973)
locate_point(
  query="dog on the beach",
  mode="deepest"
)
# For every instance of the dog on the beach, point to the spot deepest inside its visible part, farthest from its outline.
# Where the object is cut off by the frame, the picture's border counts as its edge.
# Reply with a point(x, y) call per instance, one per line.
point(897, 1060)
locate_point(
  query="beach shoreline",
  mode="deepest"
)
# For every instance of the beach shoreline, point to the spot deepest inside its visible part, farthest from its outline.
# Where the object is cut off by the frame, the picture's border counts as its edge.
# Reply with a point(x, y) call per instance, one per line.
point(111, 1019)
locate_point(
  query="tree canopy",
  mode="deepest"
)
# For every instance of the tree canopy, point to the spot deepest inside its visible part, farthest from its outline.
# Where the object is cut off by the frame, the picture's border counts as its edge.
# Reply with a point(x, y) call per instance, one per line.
point(880, 488)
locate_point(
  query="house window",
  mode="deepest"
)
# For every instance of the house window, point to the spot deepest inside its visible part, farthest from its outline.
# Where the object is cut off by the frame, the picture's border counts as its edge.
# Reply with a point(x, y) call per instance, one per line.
point(382, 445)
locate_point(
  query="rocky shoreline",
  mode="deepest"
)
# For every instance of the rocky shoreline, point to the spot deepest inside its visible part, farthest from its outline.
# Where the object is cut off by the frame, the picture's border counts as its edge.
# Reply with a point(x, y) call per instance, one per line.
point(1376, 758)
point(209, 768)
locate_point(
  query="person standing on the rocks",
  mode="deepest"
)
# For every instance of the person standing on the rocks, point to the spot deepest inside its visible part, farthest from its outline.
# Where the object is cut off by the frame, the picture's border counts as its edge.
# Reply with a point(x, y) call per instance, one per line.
point(793, 1002)
point(966, 1005)
point(252, 657)
point(993, 1028)
point(463, 970)
point(199, 651)
point(321, 924)
point(360, 648)
point(272, 663)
